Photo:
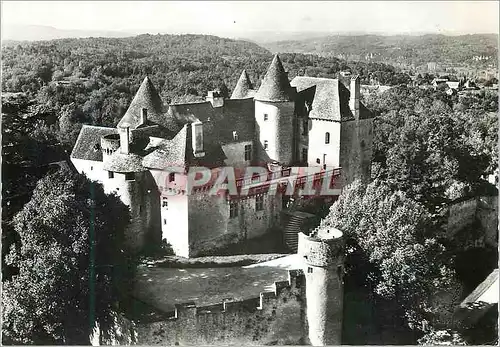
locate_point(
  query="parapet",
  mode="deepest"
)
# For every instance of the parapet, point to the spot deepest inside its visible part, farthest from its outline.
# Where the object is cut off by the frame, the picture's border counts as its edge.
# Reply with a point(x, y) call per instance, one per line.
point(189, 310)
point(321, 248)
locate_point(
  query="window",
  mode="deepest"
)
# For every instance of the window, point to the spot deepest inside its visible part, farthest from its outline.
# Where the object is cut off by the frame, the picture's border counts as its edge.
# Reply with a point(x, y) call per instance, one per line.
point(304, 155)
point(164, 221)
point(318, 161)
point(235, 135)
point(305, 127)
point(129, 176)
point(164, 202)
point(248, 152)
point(259, 202)
point(266, 144)
point(171, 176)
point(91, 168)
point(111, 174)
point(233, 209)
point(265, 117)
point(309, 270)
point(327, 138)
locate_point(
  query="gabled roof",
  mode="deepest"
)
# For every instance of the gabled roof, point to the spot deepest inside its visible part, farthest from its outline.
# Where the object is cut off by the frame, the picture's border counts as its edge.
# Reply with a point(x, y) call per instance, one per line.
point(169, 152)
point(187, 113)
point(275, 85)
point(88, 143)
point(146, 97)
point(322, 94)
point(243, 87)
point(121, 162)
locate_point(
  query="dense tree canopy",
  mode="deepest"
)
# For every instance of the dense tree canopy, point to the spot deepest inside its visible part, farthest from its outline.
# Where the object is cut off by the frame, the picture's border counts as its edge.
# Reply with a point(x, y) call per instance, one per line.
point(406, 261)
point(427, 142)
point(70, 261)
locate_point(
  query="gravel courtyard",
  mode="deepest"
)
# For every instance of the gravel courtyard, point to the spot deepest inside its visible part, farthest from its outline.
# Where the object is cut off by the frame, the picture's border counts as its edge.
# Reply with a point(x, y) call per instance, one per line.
point(165, 287)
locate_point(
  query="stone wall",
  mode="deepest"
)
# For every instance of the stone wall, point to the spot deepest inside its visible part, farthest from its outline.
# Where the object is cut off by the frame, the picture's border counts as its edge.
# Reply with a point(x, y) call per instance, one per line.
point(235, 153)
point(210, 225)
point(461, 214)
point(317, 147)
point(487, 214)
point(275, 318)
point(483, 209)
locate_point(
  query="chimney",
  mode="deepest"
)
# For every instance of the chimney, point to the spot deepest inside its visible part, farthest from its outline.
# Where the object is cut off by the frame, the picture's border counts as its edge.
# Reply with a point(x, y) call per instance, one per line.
point(144, 116)
point(197, 138)
point(124, 139)
point(215, 98)
point(354, 97)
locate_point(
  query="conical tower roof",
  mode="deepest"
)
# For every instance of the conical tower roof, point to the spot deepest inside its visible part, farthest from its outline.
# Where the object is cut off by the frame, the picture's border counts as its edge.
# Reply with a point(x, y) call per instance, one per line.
point(241, 91)
point(146, 97)
point(275, 85)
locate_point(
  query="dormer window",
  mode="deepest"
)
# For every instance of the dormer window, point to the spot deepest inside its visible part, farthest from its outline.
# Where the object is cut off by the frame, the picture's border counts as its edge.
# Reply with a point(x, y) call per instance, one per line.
point(97, 147)
point(235, 135)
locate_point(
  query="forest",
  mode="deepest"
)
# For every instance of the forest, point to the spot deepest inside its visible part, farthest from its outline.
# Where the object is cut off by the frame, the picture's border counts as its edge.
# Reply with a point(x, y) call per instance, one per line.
point(405, 48)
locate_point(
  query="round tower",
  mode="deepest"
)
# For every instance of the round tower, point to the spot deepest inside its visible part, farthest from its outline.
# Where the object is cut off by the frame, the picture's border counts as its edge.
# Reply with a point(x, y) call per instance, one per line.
point(322, 252)
point(274, 115)
point(109, 145)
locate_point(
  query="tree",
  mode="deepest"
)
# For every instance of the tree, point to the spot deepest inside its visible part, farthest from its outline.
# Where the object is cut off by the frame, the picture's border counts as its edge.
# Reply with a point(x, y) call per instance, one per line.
point(425, 142)
point(406, 261)
point(70, 260)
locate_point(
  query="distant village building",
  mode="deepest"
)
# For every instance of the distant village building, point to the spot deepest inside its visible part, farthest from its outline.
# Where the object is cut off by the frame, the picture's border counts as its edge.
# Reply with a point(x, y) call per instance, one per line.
point(306, 122)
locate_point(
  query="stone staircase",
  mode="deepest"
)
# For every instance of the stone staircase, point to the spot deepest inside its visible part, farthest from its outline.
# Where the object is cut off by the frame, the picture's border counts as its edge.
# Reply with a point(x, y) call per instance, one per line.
point(295, 222)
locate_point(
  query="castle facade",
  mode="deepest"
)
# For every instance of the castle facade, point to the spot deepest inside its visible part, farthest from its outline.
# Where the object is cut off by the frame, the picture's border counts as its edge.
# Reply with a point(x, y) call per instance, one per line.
point(308, 122)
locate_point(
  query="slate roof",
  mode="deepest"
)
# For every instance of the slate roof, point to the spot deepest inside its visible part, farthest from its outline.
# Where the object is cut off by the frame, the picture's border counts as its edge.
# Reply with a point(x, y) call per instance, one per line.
point(244, 87)
point(329, 98)
point(89, 140)
point(120, 162)
point(486, 291)
point(275, 86)
point(187, 113)
point(146, 97)
point(323, 93)
point(479, 302)
point(169, 152)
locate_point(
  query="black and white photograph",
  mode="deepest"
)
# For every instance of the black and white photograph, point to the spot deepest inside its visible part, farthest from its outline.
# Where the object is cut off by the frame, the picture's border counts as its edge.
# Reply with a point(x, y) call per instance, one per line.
point(249, 173)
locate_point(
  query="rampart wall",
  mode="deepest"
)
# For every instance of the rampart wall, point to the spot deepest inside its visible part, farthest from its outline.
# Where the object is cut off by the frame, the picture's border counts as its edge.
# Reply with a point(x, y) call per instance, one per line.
point(276, 317)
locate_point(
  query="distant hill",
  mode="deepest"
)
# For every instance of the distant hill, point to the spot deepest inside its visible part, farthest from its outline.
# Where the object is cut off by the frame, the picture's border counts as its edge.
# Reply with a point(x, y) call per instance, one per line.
point(42, 32)
point(401, 48)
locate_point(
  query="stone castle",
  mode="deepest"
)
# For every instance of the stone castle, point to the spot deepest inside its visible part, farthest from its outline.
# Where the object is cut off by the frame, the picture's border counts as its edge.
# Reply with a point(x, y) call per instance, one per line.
point(308, 122)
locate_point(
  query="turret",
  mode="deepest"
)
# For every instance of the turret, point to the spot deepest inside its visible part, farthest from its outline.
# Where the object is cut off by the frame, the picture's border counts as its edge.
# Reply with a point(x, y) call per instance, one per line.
point(145, 105)
point(243, 87)
point(322, 252)
point(274, 115)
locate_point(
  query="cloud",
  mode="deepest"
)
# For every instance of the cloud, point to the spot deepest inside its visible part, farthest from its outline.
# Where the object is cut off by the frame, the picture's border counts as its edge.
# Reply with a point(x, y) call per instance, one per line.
point(306, 19)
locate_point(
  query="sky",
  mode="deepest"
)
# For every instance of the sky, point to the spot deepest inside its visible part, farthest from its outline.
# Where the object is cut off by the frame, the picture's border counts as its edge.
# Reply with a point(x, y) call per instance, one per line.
point(213, 17)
